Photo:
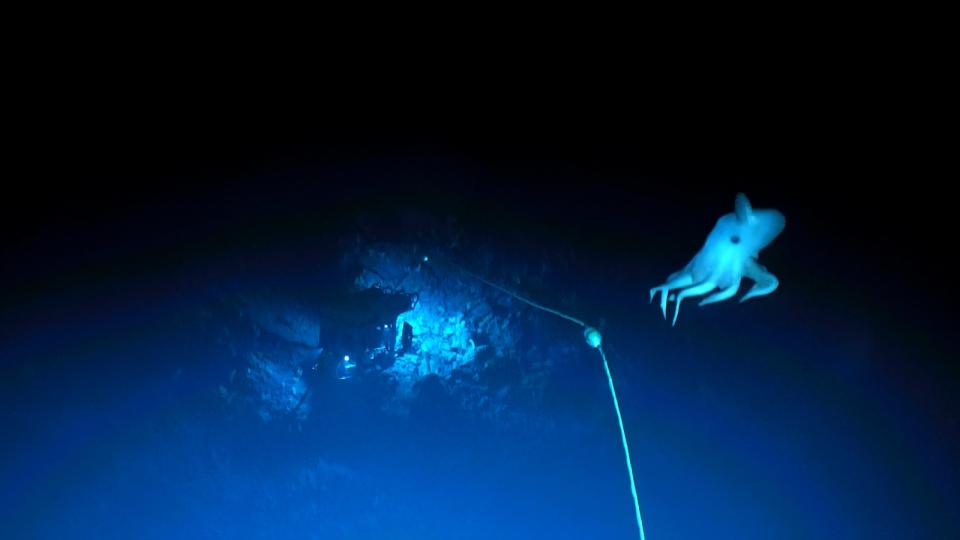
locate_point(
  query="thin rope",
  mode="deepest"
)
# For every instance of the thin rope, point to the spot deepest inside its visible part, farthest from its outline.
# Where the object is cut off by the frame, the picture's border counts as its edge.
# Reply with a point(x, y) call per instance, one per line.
point(518, 297)
point(626, 449)
point(606, 367)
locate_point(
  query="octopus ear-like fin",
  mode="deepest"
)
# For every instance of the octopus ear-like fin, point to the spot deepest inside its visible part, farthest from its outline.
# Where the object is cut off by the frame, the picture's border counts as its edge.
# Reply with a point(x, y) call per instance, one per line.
point(743, 209)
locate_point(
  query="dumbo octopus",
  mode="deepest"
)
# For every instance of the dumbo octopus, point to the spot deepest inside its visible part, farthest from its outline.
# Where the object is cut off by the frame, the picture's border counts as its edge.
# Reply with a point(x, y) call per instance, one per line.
point(729, 254)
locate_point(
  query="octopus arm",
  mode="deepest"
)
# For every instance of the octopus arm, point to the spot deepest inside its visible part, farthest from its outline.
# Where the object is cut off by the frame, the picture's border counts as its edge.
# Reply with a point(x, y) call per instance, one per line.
point(696, 290)
point(677, 280)
point(765, 282)
point(722, 294)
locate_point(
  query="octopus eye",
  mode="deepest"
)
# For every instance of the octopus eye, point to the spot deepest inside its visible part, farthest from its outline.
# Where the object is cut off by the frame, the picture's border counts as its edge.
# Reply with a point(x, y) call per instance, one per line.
point(735, 239)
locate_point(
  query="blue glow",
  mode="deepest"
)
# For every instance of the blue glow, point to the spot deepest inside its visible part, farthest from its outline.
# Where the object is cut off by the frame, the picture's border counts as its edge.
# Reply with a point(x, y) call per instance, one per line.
point(162, 394)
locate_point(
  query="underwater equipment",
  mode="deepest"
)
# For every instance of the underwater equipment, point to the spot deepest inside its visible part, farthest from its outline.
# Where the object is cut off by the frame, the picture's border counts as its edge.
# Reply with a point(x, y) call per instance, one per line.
point(593, 338)
point(345, 368)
